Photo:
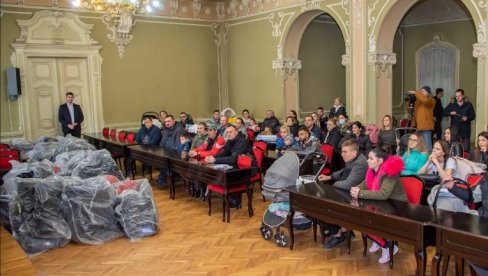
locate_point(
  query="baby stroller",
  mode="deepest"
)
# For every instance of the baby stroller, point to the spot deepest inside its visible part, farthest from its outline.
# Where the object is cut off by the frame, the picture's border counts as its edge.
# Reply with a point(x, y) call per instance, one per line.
point(154, 116)
point(285, 172)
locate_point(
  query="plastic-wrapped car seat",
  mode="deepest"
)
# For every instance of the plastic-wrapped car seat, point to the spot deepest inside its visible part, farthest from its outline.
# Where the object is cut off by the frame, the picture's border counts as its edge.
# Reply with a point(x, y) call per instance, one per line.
point(136, 210)
point(89, 210)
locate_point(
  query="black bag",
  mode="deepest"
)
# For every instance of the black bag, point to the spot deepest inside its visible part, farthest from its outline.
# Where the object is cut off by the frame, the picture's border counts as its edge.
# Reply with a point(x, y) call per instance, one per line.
point(430, 180)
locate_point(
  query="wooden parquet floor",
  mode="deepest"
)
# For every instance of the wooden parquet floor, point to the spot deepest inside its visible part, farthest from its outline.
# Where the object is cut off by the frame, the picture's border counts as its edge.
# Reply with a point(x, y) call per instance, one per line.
point(192, 243)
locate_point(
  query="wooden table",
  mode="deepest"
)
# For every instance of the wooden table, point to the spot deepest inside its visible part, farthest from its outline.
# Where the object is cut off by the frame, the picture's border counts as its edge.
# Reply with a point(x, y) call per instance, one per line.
point(390, 219)
point(464, 236)
point(187, 168)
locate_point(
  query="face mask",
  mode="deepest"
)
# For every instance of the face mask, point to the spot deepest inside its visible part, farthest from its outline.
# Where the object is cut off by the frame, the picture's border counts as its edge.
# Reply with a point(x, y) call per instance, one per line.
point(342, 121)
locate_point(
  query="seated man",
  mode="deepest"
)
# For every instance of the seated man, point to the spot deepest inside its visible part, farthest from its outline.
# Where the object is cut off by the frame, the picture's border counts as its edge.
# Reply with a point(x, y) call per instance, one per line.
point(270, 122)
point(185, 119)
point(148, 134)
point(307, 143)
point(211, 147)
point(170, 140)
point(223, 124)
point(353, 174)
point(201, 135)
point(236, 145)
point(313, 128)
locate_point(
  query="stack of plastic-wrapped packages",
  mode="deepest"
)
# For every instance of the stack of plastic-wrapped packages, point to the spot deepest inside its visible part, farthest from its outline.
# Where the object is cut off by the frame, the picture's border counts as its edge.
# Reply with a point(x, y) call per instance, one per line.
point(82, 197)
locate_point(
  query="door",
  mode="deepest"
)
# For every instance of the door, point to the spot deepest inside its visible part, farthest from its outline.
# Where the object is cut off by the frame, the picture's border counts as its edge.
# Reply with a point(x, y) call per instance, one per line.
point(48, 81)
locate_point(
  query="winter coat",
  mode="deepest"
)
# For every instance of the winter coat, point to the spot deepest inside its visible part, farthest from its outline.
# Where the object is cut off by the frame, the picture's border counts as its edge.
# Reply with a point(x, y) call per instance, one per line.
point(272, 123)
point(211, 147)
point(333, 138)
point(170, 138)
point(340, 111)
point(385, 183)
point(466, 109)
point(148, 136)
point(424, 111)
point(311, 145)
point(233, 148)
point(352, 174)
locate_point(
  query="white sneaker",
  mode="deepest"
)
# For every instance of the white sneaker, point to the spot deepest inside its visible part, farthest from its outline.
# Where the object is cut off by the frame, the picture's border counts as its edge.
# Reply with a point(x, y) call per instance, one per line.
point(385, 254)
point(374, 247)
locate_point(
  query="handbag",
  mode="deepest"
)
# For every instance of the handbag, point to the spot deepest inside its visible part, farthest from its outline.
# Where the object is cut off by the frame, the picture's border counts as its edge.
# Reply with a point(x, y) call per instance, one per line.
point(430, 180)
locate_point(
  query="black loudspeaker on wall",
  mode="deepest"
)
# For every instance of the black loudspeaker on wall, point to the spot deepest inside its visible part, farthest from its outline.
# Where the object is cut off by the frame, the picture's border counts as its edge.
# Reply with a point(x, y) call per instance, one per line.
point(13, 83)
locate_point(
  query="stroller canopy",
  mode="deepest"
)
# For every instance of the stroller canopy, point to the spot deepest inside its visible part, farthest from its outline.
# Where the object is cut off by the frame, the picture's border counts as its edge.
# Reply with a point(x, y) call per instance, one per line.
point(283, 173)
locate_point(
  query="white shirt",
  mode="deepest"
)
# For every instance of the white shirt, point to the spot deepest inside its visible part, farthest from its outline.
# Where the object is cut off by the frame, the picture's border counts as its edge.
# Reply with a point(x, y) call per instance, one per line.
point(71, 112)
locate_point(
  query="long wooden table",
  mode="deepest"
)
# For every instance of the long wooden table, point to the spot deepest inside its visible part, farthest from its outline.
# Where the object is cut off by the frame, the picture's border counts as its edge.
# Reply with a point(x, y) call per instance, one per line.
point(188, 168)
point(390, 219)
point(463, 236)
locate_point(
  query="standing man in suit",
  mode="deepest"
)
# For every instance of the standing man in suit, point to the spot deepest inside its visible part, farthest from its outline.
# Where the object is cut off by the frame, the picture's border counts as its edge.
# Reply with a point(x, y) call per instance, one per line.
point(70, 116)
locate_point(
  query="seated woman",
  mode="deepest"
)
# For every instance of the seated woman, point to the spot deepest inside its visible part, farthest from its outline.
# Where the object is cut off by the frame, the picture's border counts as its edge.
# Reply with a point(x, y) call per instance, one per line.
point(382, 183)
point(246, 117)
point(452, 138)
point(285, 141)
point(387, 138)
point(292, 123)
point(333, 136)
point(357, 133)
point(480, 153)
point(416, 155)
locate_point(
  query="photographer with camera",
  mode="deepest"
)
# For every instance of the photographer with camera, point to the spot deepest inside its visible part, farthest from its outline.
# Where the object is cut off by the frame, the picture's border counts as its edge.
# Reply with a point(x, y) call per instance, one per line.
point(423, 113)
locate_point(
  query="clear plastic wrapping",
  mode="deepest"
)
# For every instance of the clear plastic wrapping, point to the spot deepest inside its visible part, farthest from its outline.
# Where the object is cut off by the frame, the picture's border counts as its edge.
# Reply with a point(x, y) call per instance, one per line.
point(136, 210)
point(43, 150)
point(22, 145)
point(67, 161)
point(97, 163)
point(89, 210)
point(36, 218)
point(35, 169)
point(72, 144)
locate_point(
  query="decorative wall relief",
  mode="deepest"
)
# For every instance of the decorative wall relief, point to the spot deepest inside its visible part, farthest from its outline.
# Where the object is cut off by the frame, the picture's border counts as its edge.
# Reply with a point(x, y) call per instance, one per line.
point(383, 61)
point(220, 10)
point(233, 7)
point(246, 5)
point(276, 22)
point(310, 5)
point(120, 28)
point(197, 7)
point(174, 7)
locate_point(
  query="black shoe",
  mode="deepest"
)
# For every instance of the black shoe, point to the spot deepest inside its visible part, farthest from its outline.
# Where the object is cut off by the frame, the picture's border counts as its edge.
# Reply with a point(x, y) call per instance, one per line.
point(335, 241)
point(327, 233)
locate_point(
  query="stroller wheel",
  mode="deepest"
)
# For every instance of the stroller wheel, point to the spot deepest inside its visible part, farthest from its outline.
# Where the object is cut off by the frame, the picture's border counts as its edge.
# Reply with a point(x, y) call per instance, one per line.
point(266, 232)
point(281, 239)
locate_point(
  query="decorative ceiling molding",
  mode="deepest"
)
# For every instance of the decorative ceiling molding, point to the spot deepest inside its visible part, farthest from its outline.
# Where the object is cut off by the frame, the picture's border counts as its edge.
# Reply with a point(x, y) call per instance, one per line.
point(276, 24)
point(120, 29)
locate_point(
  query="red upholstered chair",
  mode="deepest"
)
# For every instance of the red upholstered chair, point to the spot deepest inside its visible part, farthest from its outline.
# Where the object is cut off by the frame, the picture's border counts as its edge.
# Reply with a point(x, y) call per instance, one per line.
point(262, 146)
point(113, 132)
point(4, 147)
point(5, 157)
point(259, 154)
point(250, 135)
point(328, 150)
point(413, 187)
point(243, 161)
point(131, 137)
point(122, 135)
point(105, 131)
point(404, 123)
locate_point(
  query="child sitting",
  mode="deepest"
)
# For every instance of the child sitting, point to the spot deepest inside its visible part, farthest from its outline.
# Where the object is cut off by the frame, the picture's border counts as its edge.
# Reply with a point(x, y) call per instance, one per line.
point(185, 145)
point(285, 141)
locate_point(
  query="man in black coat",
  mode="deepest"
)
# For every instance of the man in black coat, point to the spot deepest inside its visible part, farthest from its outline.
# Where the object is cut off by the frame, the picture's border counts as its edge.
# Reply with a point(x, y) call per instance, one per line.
point(462, 113)
point(236, 145)
point(70, 116)
point(270, 122)
point(438, 112)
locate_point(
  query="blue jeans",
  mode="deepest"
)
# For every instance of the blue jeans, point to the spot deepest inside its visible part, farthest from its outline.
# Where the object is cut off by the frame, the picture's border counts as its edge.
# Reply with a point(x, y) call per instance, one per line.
point(427, 136)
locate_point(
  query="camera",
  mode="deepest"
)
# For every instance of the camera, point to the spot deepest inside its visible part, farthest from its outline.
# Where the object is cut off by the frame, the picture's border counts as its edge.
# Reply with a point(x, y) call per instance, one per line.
point(410, 99)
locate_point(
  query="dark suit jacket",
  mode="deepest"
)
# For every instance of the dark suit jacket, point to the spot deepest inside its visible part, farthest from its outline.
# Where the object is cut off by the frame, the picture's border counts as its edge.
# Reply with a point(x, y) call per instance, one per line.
point(64, 117)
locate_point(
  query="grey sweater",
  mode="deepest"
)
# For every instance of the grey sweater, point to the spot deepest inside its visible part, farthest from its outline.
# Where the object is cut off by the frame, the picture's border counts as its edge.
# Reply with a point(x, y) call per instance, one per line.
point(353, 174)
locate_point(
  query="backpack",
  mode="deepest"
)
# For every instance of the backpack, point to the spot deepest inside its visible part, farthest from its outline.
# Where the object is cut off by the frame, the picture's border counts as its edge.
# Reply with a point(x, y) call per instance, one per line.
point(466, 167)
point(372, 130)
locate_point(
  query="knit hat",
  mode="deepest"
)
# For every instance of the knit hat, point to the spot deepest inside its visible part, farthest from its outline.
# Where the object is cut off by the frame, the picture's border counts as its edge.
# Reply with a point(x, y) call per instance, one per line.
point(211, 126)
point(427, 88)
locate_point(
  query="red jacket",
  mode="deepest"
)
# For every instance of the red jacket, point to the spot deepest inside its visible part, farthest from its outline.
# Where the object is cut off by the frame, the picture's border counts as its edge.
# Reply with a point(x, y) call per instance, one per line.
point(217, 147)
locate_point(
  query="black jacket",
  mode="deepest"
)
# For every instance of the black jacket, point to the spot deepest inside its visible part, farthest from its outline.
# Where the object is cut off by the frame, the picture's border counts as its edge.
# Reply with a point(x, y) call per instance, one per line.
point(170, 138)
point(272, 123)
point(438, 109)
point(232, 150)
point(333, 137)
point(466, 109)
point(64, 117)
point(340, 111)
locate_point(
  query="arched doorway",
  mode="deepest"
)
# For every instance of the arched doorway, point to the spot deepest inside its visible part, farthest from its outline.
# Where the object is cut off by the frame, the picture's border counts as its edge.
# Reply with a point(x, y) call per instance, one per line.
point(388, 24)
point(322, 77)
point(291, 48)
